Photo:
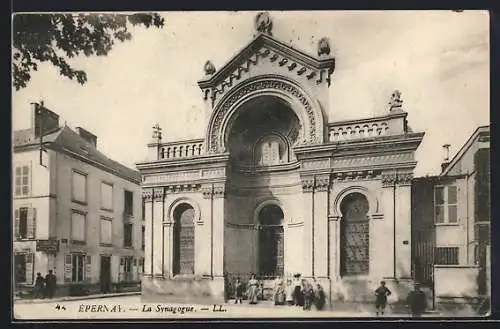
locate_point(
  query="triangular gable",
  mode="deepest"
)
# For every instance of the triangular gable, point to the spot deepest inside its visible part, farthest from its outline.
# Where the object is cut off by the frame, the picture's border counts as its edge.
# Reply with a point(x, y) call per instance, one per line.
point(265, 46)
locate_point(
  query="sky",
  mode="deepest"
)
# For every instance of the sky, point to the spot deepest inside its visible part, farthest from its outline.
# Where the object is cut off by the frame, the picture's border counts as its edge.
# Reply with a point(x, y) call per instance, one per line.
point(439, 60)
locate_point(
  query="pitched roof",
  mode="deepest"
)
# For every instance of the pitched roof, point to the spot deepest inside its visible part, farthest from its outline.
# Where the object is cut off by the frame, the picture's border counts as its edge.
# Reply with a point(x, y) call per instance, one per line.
point(479, 131)
point(66, 140)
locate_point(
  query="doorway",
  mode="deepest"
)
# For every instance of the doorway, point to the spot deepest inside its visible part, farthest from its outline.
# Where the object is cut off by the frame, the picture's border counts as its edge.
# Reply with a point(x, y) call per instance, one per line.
point(271, 242)
point(105, 275)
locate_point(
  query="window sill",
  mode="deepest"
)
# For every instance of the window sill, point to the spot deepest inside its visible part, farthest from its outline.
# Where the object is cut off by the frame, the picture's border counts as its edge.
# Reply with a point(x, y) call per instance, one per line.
point(25, 239)
point(83, 203)
point(128, 247)
point(447, 224)
point(106, 244)
point(107, 209)
point(78, 242)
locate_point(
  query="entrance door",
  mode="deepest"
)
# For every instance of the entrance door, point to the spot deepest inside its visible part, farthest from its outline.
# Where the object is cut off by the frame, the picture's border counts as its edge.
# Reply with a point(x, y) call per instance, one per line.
point(271, 242)
point(105, 276)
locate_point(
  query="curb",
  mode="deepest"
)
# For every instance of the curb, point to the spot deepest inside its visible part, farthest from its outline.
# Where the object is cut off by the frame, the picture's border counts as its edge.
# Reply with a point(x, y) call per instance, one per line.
point(69, 298)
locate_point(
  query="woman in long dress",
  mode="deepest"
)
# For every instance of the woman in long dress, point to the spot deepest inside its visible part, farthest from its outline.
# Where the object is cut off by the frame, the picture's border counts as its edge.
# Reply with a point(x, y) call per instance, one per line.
point(289, 292)
point(253, 289)
point(279, 292)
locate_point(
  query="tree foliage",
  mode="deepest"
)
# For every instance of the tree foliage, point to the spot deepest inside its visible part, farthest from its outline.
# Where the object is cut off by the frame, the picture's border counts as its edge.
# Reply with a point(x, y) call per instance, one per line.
point(55, 38)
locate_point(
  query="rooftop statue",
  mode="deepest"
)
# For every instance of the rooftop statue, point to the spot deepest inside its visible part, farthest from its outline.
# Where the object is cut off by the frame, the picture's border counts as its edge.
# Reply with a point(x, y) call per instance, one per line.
point(263, 23)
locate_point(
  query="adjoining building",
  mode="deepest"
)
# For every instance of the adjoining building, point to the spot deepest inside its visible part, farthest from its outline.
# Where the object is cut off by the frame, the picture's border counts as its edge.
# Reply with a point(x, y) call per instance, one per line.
point(76, 212)
point(451, 225)
point(277, 187)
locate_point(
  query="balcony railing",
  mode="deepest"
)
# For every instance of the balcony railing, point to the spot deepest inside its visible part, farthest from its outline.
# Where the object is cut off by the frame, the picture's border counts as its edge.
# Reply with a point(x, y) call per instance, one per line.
point(368, 128)
point(185, 149)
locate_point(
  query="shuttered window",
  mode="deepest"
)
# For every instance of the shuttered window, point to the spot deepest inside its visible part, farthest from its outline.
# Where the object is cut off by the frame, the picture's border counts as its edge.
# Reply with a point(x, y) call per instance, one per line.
point(127, 235)
point(79, 187)
point(106, 230)
point(129, 203)
point(78, 227)
point(126, 269)
point(22, 186)
point(25, 223)
point(106, 196)
point(78, 268)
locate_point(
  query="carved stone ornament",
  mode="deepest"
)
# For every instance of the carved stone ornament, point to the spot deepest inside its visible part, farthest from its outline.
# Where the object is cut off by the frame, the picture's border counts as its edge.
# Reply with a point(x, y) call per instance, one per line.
point(215, 140)
point(209, 68)
point(182, 188)
point(405, 178)
point(263, 23)
point(322, 183)
point(323, 47)
point(158, 194)
point(396, 101)
point(216, 191)
point(147, 195)
point(308, 184)
point(389, 179)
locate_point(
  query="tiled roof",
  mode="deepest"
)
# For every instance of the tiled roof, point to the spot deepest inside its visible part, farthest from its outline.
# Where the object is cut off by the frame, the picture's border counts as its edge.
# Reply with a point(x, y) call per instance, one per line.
point(64, 138)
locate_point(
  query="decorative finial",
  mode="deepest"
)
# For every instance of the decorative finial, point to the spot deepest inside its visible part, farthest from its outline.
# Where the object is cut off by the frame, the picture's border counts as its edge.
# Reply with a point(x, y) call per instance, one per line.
point(323, 47)
point(396, 102)
point(209, 68)
point(157, 133)
point(263, 23)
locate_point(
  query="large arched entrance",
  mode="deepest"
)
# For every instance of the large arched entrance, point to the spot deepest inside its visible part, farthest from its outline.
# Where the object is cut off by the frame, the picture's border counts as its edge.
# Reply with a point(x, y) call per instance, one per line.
point(183, 255)
point(354, 239)
point(271, 241)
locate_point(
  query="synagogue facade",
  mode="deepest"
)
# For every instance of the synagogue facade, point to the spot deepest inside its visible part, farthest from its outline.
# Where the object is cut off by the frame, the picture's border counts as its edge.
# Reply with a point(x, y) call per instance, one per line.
point(276, 187)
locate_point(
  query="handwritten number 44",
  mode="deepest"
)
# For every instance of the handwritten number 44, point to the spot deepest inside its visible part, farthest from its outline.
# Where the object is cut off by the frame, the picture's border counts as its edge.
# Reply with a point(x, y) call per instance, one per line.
point(60, 308)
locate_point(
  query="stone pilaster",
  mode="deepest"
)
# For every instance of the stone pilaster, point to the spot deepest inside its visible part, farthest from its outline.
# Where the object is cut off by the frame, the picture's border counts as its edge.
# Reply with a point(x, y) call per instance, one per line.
point(219, 201)
point(334, 247)
point(403, 225)
point(168, 248)
point(147, 198)
point(158, 217)
point(308, 205)
point(387, 255)
point(320, 226)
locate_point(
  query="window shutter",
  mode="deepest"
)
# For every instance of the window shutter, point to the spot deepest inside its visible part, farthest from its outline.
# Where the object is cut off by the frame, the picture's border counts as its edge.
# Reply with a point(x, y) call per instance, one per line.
point(31, 223)
point(134, 269)
point(16, 223)
point(88, 268)
point(122, 269)
point(29, 268)
point(67, 268)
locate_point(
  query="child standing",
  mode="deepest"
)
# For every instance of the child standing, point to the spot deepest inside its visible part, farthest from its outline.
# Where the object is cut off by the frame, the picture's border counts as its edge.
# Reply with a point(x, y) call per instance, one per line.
point(238, 291)
point(381, 294)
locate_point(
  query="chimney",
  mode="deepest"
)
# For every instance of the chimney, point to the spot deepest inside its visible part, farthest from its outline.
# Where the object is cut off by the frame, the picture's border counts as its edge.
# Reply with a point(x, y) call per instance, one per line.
point(87, 135)
point(446, 156)
point(43, 118)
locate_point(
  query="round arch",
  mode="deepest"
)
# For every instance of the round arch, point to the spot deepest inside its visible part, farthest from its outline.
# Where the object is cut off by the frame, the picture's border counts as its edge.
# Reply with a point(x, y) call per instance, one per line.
point(178, 202)
point(264, 203)
point(307, 109)
point(372, 200)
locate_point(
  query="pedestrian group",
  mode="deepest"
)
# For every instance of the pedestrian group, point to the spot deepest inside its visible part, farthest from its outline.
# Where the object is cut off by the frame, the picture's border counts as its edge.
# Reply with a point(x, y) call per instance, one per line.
point(45, 287)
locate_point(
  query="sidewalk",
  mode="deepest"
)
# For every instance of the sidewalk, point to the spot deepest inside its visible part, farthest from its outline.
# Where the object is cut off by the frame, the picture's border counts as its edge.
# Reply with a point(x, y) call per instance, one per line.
point(71, 298)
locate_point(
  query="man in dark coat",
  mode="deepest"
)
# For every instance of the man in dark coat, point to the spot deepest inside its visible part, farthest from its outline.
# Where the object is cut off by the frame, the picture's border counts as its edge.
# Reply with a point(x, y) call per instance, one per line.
point(381, 294)
point(50, 284)
point(417, 301)
point(39, 285)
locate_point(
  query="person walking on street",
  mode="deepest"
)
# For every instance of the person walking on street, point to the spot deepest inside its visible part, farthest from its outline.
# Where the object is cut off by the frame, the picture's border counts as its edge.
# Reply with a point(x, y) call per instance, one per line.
point(381, 294)
point(39, 285)
point(416, 301)
point(50, 284)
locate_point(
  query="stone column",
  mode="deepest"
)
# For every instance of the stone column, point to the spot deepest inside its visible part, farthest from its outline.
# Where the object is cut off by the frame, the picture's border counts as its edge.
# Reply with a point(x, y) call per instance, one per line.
point(333, 247)
point(147, 198)
point(403, 225)
point(387, 254)
point(219, 200)
point(158, 250)
point(307, 208)
point(320, 226)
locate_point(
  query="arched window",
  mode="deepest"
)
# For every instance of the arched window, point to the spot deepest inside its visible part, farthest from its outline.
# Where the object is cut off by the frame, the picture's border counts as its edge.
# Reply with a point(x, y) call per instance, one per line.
point(271, 150)
point(183, 262)
point(355, 235)
point(271, 242)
